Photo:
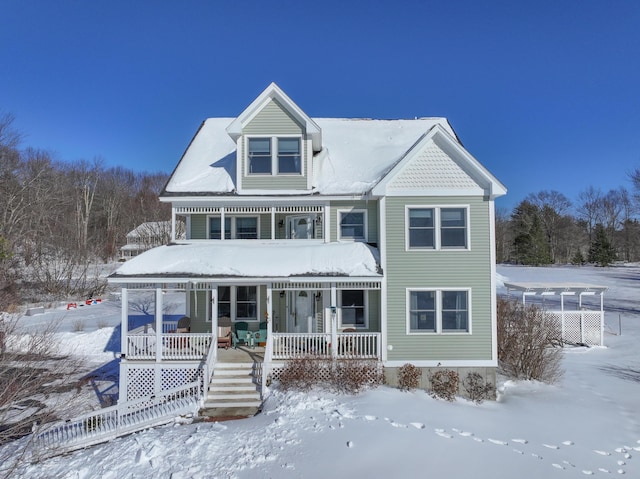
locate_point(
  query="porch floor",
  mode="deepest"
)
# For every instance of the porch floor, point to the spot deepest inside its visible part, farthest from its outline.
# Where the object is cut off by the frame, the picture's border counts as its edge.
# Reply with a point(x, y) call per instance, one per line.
point(243, 354)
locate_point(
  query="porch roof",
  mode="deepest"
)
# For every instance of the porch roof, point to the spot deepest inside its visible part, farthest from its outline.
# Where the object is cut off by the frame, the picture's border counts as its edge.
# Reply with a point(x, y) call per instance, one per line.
point(253, 259)
point(555, 288)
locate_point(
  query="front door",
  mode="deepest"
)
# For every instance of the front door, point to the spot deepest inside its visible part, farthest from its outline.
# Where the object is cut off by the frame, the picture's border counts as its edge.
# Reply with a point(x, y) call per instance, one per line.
point(300, 318)
point(300, 227)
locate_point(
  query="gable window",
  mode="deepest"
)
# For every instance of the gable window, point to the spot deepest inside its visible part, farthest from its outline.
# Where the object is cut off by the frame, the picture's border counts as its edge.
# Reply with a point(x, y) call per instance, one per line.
point(438, 311)
point(235, 227)
point(352, 225)
point(260, 155)
point(289, 155)
point(274, 155)
point(437, 228)
point(240, 303)
point(353, 309)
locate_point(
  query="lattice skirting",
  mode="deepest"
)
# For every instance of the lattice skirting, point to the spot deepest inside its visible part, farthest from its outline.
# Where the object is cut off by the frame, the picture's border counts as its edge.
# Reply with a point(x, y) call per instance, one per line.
point(580, 327)
point(143, 380)
point(324, 369)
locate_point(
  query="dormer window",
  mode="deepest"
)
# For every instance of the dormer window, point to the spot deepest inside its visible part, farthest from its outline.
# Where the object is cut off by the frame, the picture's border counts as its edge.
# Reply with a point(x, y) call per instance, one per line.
point(274, 155)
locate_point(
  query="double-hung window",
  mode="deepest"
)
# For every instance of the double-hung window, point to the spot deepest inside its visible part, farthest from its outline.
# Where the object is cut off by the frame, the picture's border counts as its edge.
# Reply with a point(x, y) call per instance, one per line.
point(353, 308)
point(240, 303)
point(235, 227)
point(352, 225)
point(437, 228)
point(274, 155)
point(438, 311)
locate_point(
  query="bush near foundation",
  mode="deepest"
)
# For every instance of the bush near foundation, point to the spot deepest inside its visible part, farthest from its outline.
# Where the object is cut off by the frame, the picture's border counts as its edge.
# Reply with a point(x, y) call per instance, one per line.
point(529, 342)
point(409, 377)
point(444, 385)
point(477, 389)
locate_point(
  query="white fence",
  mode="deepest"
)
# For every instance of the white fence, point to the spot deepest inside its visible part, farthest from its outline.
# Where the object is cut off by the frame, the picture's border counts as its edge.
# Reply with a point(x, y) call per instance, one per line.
point(349, 345)
point(581, 327)
point(126, 417)
point(174, 346)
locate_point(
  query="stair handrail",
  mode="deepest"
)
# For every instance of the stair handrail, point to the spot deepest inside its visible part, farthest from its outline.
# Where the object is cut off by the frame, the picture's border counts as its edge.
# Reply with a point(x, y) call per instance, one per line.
point(266, 366)
point(114, 421)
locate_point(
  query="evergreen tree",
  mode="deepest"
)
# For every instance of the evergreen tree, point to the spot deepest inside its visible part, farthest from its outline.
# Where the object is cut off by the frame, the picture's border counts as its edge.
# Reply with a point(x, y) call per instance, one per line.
point(530, 242)
point(601, 251)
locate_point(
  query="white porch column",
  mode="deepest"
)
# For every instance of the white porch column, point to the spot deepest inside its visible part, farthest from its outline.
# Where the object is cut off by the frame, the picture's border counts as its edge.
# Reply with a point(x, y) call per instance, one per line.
point(273, 223)
point(222, 228)
point(268, 351)
point(158, 324)
point(214, 310)
point(173, 223)
point(124, 327)
point(334, 321)
point(326, 226)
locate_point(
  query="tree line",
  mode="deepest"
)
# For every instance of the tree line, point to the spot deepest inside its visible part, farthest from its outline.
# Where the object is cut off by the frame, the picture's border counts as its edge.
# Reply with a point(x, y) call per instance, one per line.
point(59, 219)
point(548, 228)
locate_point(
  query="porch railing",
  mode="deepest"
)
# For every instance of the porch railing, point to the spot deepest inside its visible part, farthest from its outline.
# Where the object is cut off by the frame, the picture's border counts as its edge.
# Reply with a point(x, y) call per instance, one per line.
point(174, 346)
point(349, 345)
point(124, 418)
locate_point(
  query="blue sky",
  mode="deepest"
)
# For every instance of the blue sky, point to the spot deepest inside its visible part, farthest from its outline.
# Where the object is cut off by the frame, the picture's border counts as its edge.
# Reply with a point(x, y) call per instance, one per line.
point(545, 94)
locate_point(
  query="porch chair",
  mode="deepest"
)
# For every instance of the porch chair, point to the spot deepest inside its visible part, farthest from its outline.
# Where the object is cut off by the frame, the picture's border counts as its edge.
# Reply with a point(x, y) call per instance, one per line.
point(224, 337)
point(184, 325)
point(261, 334)
point(240, 335)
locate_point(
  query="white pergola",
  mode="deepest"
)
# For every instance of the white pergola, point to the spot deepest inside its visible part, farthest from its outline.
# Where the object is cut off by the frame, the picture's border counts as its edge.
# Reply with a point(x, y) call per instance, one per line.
point(581, 326)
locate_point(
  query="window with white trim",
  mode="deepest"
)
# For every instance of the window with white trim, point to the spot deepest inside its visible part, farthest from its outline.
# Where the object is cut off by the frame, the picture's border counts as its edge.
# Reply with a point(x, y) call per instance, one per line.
point(437, 228)
point(353, 308)
point(280, 155)
point(240, 303)
point(438, 311)
point(235, 227)
point(352, 225)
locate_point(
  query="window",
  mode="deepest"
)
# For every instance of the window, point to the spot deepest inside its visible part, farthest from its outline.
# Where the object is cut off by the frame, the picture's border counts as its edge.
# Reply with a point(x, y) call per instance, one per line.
point(260, 155)
point(438, 311)
point(352, 225)
point(353, 308)
point(235, 227)
point(281, 155)
point(289, 155)
point(240, 303)
point(437, 228)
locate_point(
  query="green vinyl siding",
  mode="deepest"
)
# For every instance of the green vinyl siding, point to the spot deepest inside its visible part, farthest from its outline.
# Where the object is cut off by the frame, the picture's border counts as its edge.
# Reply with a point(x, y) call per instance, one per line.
point(374, 310)
point(198, 227)
point(274, 120)
point(371, 208)
point(439, 269)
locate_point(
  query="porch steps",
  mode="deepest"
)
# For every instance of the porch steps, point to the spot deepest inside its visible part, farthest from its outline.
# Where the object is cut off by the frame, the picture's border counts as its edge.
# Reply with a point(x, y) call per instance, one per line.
point(233, 391)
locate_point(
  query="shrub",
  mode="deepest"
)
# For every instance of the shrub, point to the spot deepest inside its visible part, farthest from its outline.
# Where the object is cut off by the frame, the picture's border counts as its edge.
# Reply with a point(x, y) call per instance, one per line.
point(345, 376)
point(529, 342)
point(409, 377)
point(78, 325)
point(444, 385)
point(477, 389)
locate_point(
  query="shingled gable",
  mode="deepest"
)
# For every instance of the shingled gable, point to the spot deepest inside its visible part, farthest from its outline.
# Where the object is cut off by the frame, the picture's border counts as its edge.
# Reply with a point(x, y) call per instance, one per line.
point(437, 164)
point(273, 92)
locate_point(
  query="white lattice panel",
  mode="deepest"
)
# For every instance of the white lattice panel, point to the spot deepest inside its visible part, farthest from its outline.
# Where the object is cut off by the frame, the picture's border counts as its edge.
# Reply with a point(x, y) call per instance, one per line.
point(140, 382)
point(581, 327)
point(142, 378)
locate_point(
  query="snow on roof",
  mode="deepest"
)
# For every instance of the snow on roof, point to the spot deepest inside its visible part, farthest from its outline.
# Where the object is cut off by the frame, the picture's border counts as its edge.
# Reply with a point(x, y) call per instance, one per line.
point(256, 258)
point(355, 155)
point(150, 228)
point(555, 288)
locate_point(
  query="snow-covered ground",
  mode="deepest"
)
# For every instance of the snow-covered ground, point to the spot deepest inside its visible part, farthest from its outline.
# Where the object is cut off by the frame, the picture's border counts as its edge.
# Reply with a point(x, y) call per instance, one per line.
point(587, 424)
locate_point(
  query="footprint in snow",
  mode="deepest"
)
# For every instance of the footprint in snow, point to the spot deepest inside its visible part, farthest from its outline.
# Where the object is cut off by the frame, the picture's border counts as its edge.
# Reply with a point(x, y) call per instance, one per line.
point(602, 469)
point(557, 466)
point(602, 453)
point(418, 425)
point(568, 443)
point(370, 418)
point(620, 471)
point(395, 424)
point(520, 441)
point(349, 443)
point(621, 463)
point(465, 433)
point(477, 439)
point(587, 472)
point(551, 446)
point(518, 451)
point(441, 433)
point(568, 463)
point(498, 442)
point(536, 455)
